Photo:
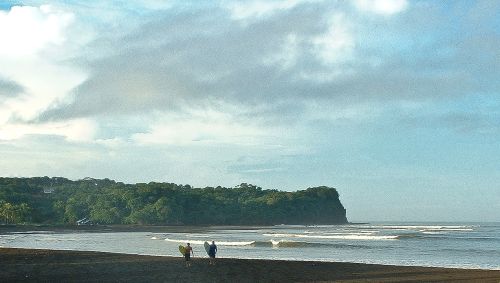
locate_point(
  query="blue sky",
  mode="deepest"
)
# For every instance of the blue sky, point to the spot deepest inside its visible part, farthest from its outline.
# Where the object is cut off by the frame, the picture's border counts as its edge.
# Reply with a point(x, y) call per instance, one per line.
point(395, 103)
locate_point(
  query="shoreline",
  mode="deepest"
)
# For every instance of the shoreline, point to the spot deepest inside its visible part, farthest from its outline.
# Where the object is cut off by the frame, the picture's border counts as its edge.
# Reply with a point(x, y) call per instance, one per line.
point(80, 266)
point(132, 228)
point(250, 258)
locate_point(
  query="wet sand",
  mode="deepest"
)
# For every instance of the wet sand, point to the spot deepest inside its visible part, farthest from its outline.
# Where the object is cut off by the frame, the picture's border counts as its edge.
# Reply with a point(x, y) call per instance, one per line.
point(74, 266)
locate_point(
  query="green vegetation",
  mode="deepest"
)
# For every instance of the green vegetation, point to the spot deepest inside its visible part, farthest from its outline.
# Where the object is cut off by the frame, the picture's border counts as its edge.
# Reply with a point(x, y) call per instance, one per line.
point(62, 201)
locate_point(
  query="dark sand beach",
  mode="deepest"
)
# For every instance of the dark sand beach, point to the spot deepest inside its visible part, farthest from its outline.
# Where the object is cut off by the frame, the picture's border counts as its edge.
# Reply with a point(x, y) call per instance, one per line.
point(74, 266)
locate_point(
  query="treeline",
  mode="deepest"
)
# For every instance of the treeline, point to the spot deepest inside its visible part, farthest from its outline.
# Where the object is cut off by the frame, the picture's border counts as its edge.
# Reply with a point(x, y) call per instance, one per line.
point(62, 201)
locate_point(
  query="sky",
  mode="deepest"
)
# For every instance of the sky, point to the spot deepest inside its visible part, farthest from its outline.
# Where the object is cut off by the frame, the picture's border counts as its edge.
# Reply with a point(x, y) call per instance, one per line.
point(395, 103)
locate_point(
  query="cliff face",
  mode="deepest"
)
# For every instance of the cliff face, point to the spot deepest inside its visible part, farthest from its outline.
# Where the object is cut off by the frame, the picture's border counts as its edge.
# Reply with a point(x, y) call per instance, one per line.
point(329, 208)
point(59, 200)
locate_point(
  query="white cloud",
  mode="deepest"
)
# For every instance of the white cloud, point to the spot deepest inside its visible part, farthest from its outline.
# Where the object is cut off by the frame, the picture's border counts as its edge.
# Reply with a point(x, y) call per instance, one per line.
point(337, 44)
point(32, 54)
point(80, 130)
point(154, 4)
point(251, 9)
point(25, 30)
point(384, 7)
point(202, 128)
point(112, 142)
point(44, 83)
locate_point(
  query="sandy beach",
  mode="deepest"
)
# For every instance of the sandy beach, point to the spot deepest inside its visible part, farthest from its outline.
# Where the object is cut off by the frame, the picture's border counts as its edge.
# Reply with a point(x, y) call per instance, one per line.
point(75, 266)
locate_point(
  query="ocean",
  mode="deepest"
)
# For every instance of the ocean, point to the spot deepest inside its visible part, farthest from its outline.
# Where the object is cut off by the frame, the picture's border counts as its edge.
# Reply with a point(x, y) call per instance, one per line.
point(459, 245)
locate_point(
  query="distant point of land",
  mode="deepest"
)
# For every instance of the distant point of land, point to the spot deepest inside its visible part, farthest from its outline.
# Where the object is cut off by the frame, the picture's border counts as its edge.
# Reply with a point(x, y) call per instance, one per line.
point(57, 200)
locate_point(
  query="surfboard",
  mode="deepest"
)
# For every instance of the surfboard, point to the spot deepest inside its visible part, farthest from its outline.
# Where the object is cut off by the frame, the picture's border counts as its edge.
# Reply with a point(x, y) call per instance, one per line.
point(207, 247)
point(182, 249)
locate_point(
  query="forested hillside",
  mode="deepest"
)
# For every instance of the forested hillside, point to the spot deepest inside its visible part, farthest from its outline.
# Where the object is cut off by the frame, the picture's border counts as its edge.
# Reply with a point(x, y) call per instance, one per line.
point(62, 201)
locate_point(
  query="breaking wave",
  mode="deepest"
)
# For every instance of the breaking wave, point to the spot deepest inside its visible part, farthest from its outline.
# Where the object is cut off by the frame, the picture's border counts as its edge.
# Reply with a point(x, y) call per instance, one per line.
point(294, 244)
point(427, 227)
point(221, 243)
point(340, 237)
point(271, 243)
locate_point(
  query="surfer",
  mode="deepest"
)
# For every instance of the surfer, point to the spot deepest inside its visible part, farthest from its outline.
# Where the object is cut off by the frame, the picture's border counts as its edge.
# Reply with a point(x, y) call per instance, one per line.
point(211, 253)
point(188, 250)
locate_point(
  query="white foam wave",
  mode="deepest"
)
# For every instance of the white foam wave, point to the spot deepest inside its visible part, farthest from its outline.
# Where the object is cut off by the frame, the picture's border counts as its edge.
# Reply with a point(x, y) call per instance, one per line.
point(289, 243)
point(425, 227)
point(415, 227)
point(276, 243)
point(198, 235)
point(235, 243)
point(221, 243)
point(154, 238)
point(238, 230)
point(277, 235)
point(450, 229)
point(369, 231)
point(34, 232)
point(193, 242)
point(340, 237)
point(361, 233)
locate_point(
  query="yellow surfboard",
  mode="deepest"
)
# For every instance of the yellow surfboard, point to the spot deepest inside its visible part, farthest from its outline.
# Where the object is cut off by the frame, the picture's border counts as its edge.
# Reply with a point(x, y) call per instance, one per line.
point(182, 249)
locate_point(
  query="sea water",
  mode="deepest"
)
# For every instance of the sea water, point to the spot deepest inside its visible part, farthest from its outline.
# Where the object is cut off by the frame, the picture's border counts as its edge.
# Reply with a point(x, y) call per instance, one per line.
point(461, 245)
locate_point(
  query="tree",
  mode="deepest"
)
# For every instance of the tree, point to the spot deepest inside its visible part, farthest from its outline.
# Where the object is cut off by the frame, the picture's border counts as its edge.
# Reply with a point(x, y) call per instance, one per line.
point(108, 202)
point(10, 213)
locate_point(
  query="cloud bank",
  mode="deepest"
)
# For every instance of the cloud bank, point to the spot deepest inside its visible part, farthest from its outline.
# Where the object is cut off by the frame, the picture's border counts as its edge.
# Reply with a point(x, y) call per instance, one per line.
point(283, 94)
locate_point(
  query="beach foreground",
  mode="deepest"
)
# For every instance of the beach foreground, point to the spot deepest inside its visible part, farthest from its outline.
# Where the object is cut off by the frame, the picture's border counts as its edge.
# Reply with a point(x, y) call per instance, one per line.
point(77, 266)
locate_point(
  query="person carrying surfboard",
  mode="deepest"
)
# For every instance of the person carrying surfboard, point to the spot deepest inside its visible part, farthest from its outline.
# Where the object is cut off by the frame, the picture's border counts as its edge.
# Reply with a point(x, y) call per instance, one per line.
point(188, 250)
point(211, 253)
